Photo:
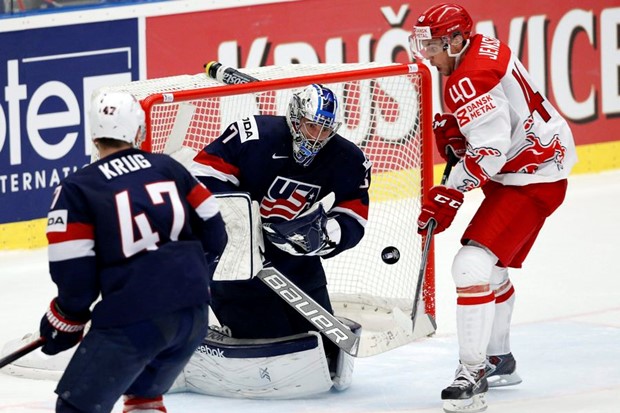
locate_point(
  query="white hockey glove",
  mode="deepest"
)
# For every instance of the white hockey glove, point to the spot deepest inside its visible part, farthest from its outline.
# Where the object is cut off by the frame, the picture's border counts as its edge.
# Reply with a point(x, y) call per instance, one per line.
point(310, 234)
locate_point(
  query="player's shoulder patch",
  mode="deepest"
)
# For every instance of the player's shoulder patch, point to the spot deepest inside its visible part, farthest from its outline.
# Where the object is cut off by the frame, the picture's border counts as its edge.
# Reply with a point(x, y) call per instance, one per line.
point(247, 129)
point(57, 220)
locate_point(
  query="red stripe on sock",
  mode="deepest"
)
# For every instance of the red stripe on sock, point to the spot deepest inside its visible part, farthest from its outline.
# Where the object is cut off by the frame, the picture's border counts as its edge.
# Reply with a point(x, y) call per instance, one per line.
point(489, 298)
point(504, 296)
point(135, 404)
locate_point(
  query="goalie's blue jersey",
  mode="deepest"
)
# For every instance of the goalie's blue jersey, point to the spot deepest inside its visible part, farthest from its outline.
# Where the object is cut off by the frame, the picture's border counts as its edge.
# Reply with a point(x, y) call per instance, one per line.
point(255, 155)
point(139, 230)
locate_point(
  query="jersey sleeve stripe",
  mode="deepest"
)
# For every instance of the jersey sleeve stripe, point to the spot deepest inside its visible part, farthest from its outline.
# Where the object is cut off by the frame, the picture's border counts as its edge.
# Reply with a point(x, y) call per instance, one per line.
point(217, 163)
point(67, 250)
point(198, 169)
point(355, 209)
point(356, 206)
point(203, 202)
point(73, 231)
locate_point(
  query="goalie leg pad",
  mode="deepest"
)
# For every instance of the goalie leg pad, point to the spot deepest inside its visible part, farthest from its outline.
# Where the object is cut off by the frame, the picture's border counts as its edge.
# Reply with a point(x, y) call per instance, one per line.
point(283, 368)
point(242, 259)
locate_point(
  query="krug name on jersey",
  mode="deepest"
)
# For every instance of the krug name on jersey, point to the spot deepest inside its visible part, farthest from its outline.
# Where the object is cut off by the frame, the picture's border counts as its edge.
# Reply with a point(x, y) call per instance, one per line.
point(124, 165)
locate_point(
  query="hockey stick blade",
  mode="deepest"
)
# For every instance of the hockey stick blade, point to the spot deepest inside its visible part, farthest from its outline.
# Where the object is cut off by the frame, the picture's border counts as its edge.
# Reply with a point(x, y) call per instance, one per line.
point(21, 352)
point(452, 160)
point(324, 321)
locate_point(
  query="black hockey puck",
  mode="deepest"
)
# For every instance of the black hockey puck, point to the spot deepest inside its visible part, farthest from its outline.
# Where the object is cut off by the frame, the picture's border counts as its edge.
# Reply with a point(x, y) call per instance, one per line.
point(390, 255)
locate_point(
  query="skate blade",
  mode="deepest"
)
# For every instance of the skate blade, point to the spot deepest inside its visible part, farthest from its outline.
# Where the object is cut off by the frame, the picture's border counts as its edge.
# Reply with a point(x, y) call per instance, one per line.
point(476, 404)
point(503, 380)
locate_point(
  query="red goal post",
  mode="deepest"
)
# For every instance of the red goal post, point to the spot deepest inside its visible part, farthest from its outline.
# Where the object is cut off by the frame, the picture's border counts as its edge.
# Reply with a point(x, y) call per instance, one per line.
point(386, 109)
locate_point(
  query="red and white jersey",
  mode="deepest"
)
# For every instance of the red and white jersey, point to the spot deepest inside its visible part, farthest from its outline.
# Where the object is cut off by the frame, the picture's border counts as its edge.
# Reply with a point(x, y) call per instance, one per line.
point(514, 135)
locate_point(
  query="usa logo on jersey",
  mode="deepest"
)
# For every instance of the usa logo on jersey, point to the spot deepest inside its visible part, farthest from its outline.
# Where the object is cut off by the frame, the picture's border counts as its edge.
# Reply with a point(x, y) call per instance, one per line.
point(287, 198)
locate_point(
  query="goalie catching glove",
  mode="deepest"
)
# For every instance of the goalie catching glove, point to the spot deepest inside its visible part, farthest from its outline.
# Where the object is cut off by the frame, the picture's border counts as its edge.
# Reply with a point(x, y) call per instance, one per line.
point(310, 234)
point(60, 331)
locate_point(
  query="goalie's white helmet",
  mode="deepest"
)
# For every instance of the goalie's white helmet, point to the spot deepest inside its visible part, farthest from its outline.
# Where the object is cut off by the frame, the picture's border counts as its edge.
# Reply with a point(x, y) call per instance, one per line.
point(311, 117)
point(117, 115)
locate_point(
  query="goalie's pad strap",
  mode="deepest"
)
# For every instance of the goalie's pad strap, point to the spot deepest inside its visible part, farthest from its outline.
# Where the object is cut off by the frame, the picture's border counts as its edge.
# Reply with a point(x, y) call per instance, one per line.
point(230, 347)
point(241, 260)
point(285, 368)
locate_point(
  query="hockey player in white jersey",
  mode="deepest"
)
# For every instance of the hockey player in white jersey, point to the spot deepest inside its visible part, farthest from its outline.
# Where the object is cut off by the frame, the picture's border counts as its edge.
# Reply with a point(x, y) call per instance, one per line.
point(515, 146)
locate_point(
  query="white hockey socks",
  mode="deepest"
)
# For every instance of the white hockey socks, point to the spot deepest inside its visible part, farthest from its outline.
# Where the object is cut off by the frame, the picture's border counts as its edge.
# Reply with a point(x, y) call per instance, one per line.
point(473, 323)
point(499, 342)
point(471, 270)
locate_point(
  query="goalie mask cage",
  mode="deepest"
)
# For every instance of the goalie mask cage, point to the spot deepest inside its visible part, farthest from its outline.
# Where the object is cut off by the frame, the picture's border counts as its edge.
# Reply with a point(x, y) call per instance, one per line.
point(386, 110)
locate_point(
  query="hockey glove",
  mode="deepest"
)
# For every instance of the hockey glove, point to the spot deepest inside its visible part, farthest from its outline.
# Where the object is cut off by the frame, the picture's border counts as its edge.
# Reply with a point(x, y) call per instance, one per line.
point(448, 136)
point(60, 331)
point(441, 206)
point(305, 235)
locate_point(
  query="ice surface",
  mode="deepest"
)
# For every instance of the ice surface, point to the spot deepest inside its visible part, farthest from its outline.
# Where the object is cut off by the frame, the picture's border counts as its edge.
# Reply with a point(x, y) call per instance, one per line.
point(566, 334)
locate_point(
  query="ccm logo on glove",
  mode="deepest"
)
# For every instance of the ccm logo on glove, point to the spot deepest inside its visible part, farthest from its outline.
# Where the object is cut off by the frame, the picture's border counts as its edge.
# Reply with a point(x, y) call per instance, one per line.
point(441, 207)
point(447, 200)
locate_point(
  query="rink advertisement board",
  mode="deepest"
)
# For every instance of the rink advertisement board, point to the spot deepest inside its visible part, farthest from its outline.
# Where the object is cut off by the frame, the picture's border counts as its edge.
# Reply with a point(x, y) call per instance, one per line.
point(572, 52)
point(47, 78)
point(48, 72)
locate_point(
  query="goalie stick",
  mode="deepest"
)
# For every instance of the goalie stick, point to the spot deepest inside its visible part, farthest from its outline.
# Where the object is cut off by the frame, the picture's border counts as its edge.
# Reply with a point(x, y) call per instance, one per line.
point(323, 320)
point(452, 160)
point(21, 352)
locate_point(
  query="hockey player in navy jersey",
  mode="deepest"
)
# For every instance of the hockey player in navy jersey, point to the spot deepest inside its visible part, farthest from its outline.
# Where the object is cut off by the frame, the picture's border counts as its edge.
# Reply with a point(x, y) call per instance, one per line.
point(140, 231)
point(286, 164)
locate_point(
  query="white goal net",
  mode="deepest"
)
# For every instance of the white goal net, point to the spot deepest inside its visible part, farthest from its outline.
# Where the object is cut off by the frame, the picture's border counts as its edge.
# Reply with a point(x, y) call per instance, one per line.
point(386, 111)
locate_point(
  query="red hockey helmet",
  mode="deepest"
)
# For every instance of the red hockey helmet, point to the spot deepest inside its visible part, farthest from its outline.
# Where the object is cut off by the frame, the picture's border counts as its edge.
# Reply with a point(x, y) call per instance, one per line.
point(435, 28)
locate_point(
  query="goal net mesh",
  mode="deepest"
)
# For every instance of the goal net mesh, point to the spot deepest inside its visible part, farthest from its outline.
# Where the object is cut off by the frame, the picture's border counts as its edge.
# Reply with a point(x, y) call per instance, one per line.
point(383, 114)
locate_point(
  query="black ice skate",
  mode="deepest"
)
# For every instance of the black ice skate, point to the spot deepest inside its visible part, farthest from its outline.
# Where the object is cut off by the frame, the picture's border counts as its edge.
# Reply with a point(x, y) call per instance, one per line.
point(501, 371)
point(466, 393)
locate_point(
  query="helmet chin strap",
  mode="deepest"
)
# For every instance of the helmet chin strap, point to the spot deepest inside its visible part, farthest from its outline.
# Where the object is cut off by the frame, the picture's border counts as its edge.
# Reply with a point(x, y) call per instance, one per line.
point(459, 54)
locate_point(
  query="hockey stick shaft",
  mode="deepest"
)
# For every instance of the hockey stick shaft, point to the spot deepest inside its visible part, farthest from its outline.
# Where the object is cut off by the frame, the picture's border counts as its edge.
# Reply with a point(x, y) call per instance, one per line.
point(452, 160)
point(227, 74)
point(324, 321)
point(21, 352)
